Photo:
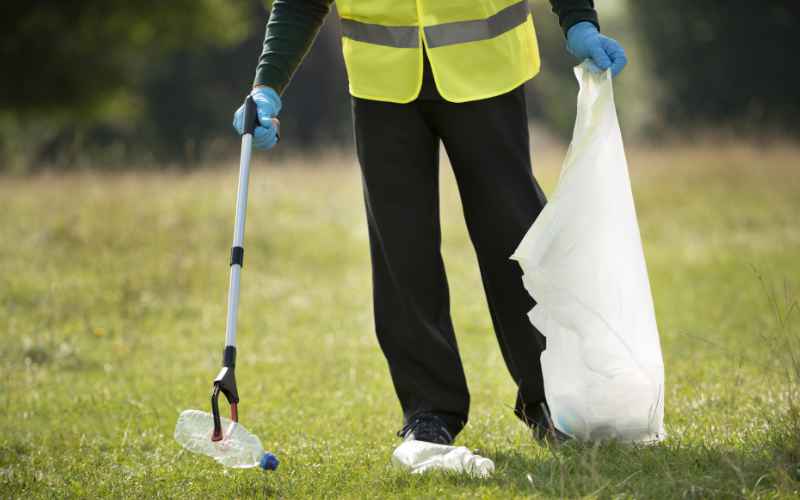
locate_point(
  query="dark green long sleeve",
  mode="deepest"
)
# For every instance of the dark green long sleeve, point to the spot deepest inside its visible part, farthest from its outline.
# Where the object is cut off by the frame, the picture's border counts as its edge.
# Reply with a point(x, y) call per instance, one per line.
point(571, 12)
point(293, 25)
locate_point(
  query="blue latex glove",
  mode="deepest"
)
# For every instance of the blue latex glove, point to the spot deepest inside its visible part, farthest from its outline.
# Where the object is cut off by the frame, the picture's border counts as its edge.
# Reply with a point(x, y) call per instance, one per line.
point(268, 105)
point(585, 42)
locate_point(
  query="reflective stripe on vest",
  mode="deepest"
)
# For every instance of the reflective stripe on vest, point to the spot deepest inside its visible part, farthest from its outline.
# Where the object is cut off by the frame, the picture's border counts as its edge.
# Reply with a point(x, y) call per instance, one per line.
point(481, 29)
point(440, 35)
point(401, 37)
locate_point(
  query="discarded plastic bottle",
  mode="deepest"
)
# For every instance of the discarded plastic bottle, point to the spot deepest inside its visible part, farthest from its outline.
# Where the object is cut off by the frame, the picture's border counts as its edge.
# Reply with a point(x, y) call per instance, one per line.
point(420, 456)
point(238, 447)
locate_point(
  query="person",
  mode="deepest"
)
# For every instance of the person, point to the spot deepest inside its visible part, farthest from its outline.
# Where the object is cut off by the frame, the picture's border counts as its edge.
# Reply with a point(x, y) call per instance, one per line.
point(423, 73)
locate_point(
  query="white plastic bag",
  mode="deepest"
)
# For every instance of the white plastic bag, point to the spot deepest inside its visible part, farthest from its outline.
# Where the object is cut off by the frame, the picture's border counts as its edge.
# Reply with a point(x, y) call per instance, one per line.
point(583, 264)
point(420, 456)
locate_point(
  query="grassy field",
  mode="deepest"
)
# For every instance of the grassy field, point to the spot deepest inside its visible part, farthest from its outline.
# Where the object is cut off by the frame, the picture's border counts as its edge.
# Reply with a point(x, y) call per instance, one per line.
point(112, 300)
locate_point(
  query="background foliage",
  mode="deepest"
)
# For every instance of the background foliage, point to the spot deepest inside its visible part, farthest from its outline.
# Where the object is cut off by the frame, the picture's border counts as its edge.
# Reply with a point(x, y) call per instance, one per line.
point(724, 62)
point(156, 82)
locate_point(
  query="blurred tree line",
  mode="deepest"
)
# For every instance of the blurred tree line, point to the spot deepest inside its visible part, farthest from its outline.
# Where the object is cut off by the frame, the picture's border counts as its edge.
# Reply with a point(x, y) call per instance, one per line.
point(724, 62)
point(109, 82)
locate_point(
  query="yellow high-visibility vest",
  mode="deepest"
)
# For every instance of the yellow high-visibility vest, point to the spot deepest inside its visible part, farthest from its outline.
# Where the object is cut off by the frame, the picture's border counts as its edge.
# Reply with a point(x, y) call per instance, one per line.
point(477, 48)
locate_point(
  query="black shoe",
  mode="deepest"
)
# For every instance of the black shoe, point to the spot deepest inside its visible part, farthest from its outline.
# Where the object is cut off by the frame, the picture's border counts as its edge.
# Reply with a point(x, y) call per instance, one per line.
point(549, 435)
point(545, 432)
point(426, 427)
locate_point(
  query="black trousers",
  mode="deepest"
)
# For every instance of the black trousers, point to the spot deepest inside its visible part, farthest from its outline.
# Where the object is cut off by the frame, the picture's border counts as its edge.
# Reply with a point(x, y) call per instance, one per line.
point(488, 146)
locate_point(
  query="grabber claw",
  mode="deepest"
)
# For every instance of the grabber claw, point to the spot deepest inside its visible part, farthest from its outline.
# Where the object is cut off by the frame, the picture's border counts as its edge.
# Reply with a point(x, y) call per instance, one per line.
point(225, 382)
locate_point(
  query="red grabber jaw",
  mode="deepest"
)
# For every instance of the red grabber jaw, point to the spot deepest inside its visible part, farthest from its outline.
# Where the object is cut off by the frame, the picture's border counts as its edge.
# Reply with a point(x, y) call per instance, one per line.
point(225, 381)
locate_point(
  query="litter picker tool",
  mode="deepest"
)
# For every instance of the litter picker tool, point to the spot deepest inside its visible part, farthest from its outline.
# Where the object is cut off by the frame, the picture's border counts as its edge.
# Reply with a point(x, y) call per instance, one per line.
point(224, 439)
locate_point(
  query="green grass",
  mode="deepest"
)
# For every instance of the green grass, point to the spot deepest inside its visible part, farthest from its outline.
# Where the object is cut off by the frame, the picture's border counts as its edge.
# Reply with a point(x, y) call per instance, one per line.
point(112, 301)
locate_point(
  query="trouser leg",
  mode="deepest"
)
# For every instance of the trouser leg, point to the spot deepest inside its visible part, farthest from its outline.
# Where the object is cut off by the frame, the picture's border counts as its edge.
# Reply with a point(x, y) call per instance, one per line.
point(398, 153)
point(488, 145)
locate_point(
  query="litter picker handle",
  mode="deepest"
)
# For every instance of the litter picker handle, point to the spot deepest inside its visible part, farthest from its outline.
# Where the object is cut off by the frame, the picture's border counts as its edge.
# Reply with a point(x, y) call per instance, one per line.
point(250, 115)
point(251, 119)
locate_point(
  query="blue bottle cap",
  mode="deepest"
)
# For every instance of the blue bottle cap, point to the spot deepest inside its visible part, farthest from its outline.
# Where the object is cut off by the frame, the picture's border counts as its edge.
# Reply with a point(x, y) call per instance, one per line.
point(269, 461)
